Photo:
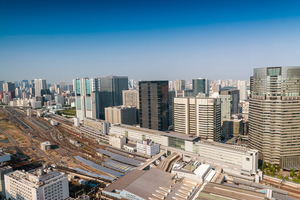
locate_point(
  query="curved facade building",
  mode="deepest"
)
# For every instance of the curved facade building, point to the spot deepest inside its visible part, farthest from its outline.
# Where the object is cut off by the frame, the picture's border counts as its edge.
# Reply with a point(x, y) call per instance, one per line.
point(274, 115)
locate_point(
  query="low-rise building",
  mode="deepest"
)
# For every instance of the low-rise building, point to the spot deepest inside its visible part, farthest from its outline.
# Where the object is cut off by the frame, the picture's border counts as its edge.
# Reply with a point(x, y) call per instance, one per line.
point(232, 158)
point(117, 141)
point(151, 184)
point(147, 147)
point(121, 115)
point(36, 104)
point(45, 146)
point(53, 122)
point(36, 185)
point(101, 125)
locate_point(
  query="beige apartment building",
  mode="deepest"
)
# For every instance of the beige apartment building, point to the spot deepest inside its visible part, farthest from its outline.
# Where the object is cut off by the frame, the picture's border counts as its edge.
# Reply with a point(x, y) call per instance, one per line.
point(274, 115)
point(121, 115)
point(198, 116)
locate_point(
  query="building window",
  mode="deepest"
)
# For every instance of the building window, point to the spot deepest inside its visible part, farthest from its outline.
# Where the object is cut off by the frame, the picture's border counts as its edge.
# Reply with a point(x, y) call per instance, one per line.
point(247, 159)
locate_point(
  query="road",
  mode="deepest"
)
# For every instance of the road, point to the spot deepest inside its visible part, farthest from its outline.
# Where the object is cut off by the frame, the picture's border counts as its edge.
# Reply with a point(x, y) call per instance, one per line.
point(11, 139)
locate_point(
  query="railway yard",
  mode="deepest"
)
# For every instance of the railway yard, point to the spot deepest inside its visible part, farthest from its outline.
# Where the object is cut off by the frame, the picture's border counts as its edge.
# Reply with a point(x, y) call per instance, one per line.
point(29, 131)
point(90, 157)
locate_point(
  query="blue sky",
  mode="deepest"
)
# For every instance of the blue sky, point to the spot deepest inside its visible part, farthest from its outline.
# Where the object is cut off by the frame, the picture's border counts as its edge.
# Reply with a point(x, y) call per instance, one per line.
point(147, 40)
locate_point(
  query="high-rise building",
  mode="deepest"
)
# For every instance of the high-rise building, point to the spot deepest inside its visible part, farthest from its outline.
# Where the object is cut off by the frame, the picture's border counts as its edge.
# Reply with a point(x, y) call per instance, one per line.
point(131, 98)
point(235, 99)
point(8, 87)
point(36, 184)
point(111, 92)
point(154, 105)
point(242, 87)
point(70, 88)
point(274, 115)
point(179, 84)
point(62, 85)
point(87, 91)
point(1, 85)
point(40, 84)
point(200, 85)
point(198, 116)
point(216, 88)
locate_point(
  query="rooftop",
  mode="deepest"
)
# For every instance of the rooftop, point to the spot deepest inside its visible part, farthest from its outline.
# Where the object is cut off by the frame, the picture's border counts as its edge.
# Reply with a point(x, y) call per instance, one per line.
point(145, 184)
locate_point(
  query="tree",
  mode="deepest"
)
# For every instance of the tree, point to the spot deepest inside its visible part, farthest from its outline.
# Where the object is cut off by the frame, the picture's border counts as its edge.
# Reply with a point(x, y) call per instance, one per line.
point(268, 173)
point(269, 165)
point(280, 176)
point(265, 165)
point(286, 178)
point(274, 169)
point(274, 166)
point(292, 173)
point(272, 174)
point(278, 167)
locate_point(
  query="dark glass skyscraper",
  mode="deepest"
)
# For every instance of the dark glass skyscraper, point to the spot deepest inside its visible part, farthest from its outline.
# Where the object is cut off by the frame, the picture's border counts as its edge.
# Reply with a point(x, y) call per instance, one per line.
point(200, 85)
point(154, 104)
point(111, 92)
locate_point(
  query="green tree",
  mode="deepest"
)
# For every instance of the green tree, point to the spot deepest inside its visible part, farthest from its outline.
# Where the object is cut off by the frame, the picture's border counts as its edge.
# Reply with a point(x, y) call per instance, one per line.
point(274, 169)
point(278, 167)
point(272, 174)
point(268, 173)
point(280, 176)
point(269, 165)
point(274, 166)
point(286, 178)
point(265, 165)
point(292, 173)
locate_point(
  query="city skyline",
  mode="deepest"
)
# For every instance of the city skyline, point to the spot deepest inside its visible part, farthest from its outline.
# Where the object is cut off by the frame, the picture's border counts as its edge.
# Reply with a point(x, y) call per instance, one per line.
point(146, 40)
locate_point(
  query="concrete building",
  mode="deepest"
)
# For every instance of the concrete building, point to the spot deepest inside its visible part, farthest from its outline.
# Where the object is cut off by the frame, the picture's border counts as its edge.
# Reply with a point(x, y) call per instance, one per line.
point(117, 141)
point(274, 115)
point(154, 104)
point(200, 85)
point(179, 85)
point(232, 158)
point(8, 87)
point(131, 98)
point(36, 185)
point(216, 88)
point(147, 147)
point(235, 98)
point(121, 115)
point(76, 121)
point(101, 125)
point(242, 87)
point(59, 99)
point(36, 104)
point(45, 146)
point(233, 128)
point(197, 175)
point(40, 84)
point(198, 116)
point(87, 93)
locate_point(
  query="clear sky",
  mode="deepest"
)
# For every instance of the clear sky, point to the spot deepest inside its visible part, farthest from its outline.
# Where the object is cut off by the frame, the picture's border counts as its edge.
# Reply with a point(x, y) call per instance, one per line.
point(147, 40)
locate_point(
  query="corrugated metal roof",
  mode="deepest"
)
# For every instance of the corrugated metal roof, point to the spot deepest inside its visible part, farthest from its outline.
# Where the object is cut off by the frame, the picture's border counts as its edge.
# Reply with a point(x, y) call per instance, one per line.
point(98, 167)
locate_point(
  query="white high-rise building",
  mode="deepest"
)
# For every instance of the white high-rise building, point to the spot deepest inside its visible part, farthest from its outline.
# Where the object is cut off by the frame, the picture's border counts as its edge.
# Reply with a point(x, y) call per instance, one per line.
point(40, 84)
point(198, 116)
point(242, 87)
point(179, 84)
point(38, 184)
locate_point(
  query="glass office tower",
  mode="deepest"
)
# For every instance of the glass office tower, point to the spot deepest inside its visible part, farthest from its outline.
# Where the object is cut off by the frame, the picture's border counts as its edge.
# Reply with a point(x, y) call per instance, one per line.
point(274, 115)
point(111, 88)
point(200, 85)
